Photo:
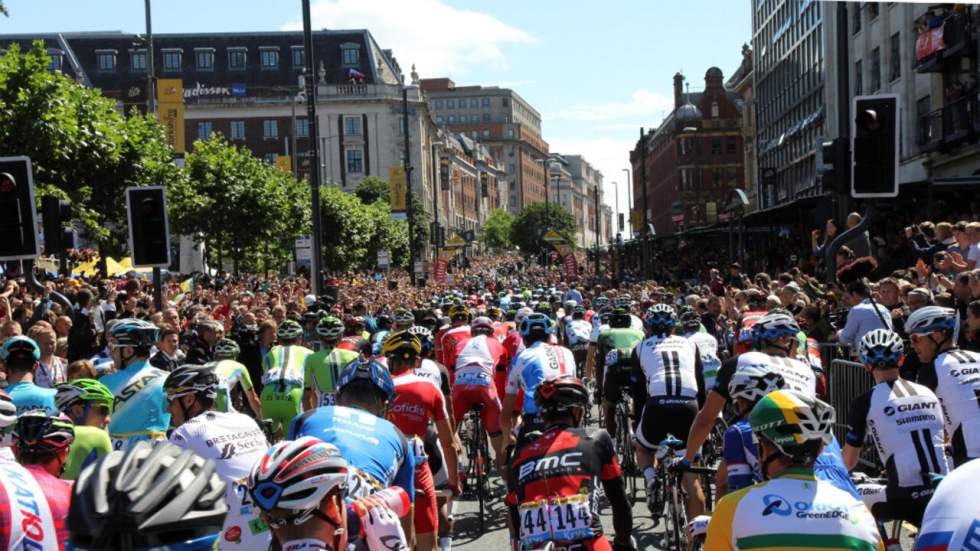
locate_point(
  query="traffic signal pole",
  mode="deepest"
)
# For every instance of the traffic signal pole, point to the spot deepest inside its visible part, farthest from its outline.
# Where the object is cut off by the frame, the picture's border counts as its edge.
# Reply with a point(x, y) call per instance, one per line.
point(843, 103)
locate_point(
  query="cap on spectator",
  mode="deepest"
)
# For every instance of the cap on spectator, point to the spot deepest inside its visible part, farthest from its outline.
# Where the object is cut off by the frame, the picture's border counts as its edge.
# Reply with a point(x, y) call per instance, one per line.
point(921, 291)
point(792, 286)
point(735, 265)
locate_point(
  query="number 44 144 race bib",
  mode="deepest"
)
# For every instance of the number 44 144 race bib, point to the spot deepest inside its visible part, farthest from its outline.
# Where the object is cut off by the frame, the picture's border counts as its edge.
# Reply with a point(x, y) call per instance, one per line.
point(560, 519)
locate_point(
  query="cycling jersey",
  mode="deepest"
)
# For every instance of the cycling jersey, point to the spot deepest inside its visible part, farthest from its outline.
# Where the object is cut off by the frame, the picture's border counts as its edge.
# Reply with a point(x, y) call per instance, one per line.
point(671, 367)
point(955, 378)
point(906, 426)
point(743, 341)
point(28, 396)
point(577, 333)
point(794, 510)
point(355, 344)
point(416, 402)
point(951, 520)
point(708, 350)
point(140, 410)
point(614, 349)
point(90, 444)
point(536, 363)
point(449, 343)
point(599, 328)
point(32, 509)
point(374, 445)
point(282, 380)
point(230, 374)
point(476, 360)
point(321, 371)
point(797, 376)
point(554, 483)
point(235, 443)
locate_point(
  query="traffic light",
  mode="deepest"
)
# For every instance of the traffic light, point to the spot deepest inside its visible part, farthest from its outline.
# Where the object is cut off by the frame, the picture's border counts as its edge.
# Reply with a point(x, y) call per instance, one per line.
point(149, 232)
point(18, 216)
point(55, 214)
point(834, 164)
point(874, 141)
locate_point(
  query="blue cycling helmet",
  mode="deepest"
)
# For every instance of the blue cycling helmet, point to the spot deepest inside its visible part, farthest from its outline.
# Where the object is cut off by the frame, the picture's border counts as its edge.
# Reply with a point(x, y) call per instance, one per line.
point(660, 316)
point(774, 325)
point(881, 348)
point(535, 324)
point(20, 345)
point(425, 337)
point(370, 370)
point(135, 333)
point(933, 318)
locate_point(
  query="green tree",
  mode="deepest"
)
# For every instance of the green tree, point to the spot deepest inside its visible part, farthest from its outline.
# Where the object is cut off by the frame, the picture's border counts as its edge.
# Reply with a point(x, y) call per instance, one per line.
point(495, 233)
point(349, 228)
point(534, 220)
point(373, 188)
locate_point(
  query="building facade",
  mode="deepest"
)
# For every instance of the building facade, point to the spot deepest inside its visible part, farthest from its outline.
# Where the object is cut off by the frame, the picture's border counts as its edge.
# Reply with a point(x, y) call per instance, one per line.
point(741, 83)
point(471, 188)
point(585, 180)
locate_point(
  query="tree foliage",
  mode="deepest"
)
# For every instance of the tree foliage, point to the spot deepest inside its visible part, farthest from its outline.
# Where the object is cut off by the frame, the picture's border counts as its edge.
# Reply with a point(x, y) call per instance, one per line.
point(495, 233)
point(372, 189)
point(534, 220)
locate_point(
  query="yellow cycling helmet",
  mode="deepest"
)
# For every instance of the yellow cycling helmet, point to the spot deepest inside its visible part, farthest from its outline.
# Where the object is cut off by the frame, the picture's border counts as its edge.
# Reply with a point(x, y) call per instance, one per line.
point(402, 344)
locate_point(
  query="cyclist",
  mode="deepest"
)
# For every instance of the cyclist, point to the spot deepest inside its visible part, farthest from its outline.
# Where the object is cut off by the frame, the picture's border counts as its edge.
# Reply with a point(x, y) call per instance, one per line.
point(383, 323)
point(140, 408)
point(539, 361)
point(88, 403)
point(232, 440)
point(667, 381)
point(322, 368)
point(792, 509)
point(552, 488)
point(282, 376)
point(8, 414)
point(41, 444)
point(404, 319)
point(233, 374)
point(952, 373)
point(448, 339)
point(21, 356)
point(707, 345)
point(950, 520)
point(905, 422)
point(301, 488)
point(756, 304)
point(615, 348)
point(477, 361)
point(577, 332)
point(356, 426)
point(147, 497)
point(417, 401)
point(355, 338)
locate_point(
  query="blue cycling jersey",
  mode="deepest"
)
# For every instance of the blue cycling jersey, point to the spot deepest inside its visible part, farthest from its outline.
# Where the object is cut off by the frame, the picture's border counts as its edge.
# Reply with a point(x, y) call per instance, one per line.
point(28, 396)
point(374, 445)
point(140, 411)
point(534, 364)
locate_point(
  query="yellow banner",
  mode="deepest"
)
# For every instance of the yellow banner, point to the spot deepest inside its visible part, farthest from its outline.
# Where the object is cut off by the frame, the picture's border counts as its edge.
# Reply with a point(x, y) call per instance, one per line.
point(284, 163)
point(636, 218)
point(396, 188)
point(446, 254)
point(170, 96)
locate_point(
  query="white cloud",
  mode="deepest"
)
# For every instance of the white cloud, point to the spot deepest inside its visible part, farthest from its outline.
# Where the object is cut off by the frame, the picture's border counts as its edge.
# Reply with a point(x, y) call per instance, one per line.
point(440, 39)
point(610, 156)
point(643, 103)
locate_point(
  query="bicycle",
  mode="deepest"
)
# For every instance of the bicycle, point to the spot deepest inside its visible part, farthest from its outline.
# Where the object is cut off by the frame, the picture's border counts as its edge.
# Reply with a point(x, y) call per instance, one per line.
point(672, 494)
point(477, 474)
point(624, 442)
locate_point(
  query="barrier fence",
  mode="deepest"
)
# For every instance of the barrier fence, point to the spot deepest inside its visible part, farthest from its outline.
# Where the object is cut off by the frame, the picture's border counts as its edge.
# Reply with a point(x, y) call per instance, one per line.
point(846, 380)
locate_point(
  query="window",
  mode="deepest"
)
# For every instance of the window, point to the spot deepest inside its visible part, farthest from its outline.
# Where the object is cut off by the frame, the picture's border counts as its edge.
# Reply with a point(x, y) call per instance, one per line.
point(355, 161)
point(54, 62)
point(473, 134)
point(714, 109)
point(896, 56)
point(302, 128)
point(352, 126)
point(236, 58)
point(485, 102)
point(238, 130)
point(858, 82)
point(510, 132)
point(875, 69)
point(205, 59)
point(299, 57)
point(270, 158)
point(856, 16)
point(137, 60)
point(204, 130)
point(716, 146)
point(486, 117)
point(872, 10)
point(270, 128)
point(474, 119)
point(270, 58)
point(486, 134)
point(350, 54)
point(474, 103)
point(452, 119)
point(172, 60)
point(731, 145)
point(438, 104)
point(450, 104)
point(505, 102)
point(439, 119)
point(107, 60)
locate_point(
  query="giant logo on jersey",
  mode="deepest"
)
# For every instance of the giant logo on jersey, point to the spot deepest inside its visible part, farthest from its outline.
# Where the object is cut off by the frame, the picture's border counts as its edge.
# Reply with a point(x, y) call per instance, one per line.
point(902, 408)
point(549, 464)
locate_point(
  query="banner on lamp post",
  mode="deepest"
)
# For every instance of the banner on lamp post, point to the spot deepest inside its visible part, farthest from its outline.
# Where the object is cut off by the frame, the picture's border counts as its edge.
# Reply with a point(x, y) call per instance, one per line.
point(397, 191)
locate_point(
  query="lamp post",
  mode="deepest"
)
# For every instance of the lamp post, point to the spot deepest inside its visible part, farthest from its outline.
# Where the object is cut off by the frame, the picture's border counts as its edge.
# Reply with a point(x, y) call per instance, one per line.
point(629, 197)
point(311, 92)
point(407, 163)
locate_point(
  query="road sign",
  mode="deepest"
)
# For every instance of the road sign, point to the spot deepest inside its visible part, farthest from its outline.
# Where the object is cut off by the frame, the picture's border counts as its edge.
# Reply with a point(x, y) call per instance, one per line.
point(419, 267)
point(384, 258)
point(455, 242)
point(304, 249)
point(551, 236)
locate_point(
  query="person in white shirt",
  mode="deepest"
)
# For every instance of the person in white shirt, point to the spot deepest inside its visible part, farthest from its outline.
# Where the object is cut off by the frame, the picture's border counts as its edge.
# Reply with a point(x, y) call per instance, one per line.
point(865, 314)
point(51, 370)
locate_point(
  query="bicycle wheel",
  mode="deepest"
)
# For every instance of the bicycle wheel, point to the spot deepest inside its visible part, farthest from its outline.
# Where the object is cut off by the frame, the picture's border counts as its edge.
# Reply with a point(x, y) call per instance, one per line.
point(678, 520)
point(483, 482)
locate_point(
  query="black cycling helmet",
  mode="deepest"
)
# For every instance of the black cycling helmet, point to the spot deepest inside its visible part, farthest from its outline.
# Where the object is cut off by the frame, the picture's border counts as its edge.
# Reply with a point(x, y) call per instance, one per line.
point(133, 332)
point(620, 318)
point(689, 318)
point(560, 394)
point(190, 379)
point(150, 495)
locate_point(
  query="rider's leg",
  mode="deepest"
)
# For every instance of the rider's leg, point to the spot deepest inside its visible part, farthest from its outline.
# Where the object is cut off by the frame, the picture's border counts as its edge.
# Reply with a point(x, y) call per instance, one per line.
point(694, 502)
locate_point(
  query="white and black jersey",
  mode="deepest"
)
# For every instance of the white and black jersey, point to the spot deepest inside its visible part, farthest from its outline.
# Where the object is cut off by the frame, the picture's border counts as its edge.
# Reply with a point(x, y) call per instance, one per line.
point(798, 376)
point(955, 378)
point(670, 366)
point(904, 421)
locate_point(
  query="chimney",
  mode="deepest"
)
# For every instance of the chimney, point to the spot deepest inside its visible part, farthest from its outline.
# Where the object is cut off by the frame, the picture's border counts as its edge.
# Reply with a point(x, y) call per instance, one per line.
point(678, 90)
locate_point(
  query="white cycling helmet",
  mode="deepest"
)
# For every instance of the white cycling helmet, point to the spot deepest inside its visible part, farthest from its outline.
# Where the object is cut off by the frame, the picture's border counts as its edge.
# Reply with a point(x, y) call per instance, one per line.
point(8, 411)
point(933, 318)
point(522, 314)
point(753, 382)
point(881, 347)
point(297, 475)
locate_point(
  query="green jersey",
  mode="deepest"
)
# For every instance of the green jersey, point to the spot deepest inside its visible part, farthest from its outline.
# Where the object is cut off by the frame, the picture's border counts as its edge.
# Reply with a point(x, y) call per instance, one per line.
point(615, 346)
point(284, 365)
point(230, 374)
point(322, 370)
point(90, 444)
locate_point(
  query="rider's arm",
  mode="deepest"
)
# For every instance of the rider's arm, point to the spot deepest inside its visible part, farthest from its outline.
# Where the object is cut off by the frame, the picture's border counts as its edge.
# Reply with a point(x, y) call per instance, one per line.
point(857, 427)
point(639, 384)
point(699, 377)
point(309, 396)
point(507, 420)
point(703, 423)
point(612, 483)
point(249, 390)
point(446, 438)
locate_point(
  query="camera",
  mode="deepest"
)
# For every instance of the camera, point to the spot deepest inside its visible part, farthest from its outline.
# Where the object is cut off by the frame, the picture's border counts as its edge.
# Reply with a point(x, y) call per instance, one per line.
point(837, 318)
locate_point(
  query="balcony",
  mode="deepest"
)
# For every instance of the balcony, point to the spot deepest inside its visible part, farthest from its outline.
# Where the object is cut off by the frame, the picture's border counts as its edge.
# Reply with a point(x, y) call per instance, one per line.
point(955, 123)
point(935, 48)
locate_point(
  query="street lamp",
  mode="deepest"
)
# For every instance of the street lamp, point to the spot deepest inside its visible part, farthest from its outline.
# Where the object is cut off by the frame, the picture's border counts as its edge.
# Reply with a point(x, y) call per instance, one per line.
point(298, 98)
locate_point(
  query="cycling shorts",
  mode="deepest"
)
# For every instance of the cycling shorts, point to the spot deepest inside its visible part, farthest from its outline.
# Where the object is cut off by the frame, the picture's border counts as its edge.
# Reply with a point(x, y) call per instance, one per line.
point(892, 503)
point(580, 355)
point(426, 515)
point(663, 415)
point(465, 397)
point(281, 406)
point(500, 382)
point(615, 381)
point(437, 462)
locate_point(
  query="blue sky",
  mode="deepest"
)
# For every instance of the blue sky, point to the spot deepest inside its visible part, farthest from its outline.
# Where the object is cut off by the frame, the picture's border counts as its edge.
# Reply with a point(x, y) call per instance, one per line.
point(596, 70)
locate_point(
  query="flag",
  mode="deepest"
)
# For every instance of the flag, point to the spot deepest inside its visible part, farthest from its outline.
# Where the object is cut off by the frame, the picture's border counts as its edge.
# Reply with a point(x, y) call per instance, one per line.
point(354, 73)
point(187, 285)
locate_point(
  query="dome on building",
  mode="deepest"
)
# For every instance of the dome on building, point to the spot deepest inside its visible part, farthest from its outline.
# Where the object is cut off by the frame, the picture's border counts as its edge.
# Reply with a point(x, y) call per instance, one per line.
point(688, 112)
point(713, 72)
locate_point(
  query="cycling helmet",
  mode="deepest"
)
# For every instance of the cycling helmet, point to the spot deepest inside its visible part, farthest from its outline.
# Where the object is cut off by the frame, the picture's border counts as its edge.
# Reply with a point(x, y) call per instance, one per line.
point(330, 328)
point(383, 322)
point(20, 346)
point(752, 382)
point(578, 312)
point(795, 424)
point(660, 316)
point(773, 326)
point(368, 370)
point(83, 391)
point(494, 313)
point(623, 301)
point(689, 318)
point(600, 301)
point(620, 318)
point(522, 314)
point(543, 308)
point(459, 311)
point(290, 330)
point(191, 379)
point(481, 326)
point(402, 343)
point(150, 495)
point(424, 335)
point(933, 318)
point(135, 333)
point(404, 316)
point(38, 432)
point(297, 475)
point(8, 411)
point(560, 394)
point(881, 348)
point(226, 349)
point(569, 305)
point(535, 324)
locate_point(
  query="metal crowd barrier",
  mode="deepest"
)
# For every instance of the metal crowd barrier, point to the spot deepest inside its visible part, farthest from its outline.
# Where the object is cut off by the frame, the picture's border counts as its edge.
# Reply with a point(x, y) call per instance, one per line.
point(846, 380)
